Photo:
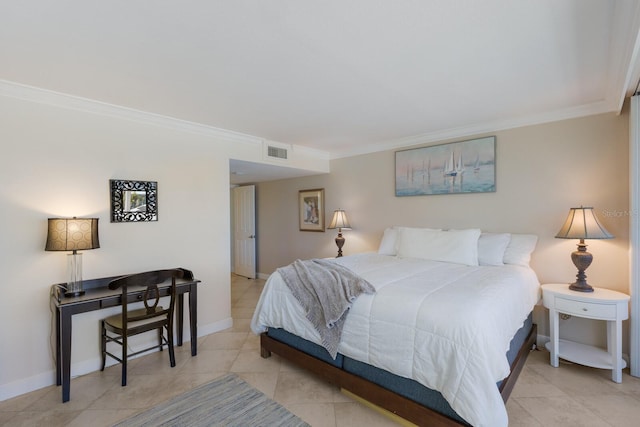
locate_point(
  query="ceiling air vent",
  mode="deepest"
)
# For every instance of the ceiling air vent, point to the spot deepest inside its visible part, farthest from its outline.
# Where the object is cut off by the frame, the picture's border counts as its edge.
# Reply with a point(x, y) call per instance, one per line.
point(277, 152)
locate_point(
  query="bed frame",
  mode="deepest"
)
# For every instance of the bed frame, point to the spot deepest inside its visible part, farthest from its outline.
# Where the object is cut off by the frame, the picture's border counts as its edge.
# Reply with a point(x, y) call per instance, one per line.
point(380, 396)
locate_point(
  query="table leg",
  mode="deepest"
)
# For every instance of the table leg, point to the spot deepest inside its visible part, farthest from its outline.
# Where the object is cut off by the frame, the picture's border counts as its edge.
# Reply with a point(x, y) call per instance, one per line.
point(180, 317)
point(193, 318)
point(58, 349)
point(614, 341)
point(555, 340)
point(65, 354)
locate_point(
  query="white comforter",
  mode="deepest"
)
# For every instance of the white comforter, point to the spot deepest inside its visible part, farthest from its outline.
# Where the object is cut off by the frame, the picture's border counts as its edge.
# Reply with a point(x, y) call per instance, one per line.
point(447, 326)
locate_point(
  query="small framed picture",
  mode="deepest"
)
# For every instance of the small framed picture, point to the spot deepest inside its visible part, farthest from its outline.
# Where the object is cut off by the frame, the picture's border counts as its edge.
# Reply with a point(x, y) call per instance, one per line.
point(311, 209)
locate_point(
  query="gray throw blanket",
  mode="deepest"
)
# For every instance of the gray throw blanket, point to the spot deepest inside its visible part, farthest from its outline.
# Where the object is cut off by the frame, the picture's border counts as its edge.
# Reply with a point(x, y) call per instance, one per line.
point(326, 291)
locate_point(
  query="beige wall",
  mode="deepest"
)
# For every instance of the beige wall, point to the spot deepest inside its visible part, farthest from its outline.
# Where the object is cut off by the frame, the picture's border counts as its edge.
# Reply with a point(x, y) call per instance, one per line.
point(58, 154)
point(57, 162)
point(542, 171)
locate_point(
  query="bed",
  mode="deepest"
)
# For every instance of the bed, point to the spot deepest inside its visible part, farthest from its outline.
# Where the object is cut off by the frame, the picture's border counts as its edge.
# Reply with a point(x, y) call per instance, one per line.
point(441, 339)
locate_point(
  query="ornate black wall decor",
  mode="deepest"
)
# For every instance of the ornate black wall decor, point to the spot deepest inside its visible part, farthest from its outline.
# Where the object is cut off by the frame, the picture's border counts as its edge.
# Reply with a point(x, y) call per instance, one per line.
point(133, 201)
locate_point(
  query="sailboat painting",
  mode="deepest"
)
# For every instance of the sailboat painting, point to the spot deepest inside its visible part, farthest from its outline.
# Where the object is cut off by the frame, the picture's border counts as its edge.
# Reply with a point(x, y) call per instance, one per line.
point(453, 168)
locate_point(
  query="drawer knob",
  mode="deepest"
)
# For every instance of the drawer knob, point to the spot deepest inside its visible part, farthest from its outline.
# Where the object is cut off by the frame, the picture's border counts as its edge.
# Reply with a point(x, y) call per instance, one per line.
point(584, 309)
point(140, 298)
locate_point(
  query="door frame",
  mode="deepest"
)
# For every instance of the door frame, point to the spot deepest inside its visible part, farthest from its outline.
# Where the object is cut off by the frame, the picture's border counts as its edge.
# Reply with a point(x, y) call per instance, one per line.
point(634, 235)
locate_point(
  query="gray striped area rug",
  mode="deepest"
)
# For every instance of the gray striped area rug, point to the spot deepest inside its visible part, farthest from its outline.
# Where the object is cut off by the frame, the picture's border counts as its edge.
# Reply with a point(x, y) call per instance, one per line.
point(226, 401)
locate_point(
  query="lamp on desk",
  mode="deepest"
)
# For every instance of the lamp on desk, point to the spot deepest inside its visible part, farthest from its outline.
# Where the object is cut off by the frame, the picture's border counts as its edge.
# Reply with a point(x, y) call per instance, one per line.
point(73, 234)
point(582, 223)
point(340, 222)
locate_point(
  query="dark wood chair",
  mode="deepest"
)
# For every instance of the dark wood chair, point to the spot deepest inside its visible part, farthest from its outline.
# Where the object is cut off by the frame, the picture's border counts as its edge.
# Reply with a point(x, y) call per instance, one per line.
point(152, 317)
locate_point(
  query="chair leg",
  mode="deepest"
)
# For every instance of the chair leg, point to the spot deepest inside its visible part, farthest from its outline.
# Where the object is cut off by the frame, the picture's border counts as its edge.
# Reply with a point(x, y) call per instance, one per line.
point(124, 360)
point(103, 347)
point(172, 355)
point(160, 338)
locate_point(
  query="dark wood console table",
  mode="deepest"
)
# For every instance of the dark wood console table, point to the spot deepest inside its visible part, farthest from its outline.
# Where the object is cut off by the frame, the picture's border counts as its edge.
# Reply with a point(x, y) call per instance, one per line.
point(98, 296)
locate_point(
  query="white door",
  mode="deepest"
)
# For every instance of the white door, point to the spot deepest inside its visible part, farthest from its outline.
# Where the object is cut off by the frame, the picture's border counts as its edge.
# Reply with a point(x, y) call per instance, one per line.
point(634, 238)
point(244, 233)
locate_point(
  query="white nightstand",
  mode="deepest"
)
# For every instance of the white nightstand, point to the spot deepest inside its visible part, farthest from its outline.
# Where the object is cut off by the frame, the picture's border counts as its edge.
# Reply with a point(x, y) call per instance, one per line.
point(601, 304)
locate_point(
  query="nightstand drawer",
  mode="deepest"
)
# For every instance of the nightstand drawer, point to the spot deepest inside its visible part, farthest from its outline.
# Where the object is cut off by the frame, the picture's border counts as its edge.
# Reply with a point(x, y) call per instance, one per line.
point(586, 309)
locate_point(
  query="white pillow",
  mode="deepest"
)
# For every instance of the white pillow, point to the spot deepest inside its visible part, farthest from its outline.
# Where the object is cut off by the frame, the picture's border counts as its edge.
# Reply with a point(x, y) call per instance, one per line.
point(491, 248)
point(388, 242)
point(456, 246)
point(519, 249)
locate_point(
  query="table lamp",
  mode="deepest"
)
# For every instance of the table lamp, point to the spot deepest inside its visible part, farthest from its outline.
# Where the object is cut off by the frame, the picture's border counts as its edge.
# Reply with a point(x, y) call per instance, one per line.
point(340, 222)
point(582, 224)
point(73, 234)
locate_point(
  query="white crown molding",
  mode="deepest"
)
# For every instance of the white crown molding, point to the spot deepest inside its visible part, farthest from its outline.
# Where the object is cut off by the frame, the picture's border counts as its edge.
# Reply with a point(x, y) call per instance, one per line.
point(57, 99)
point(481, 128)
point(62, 100)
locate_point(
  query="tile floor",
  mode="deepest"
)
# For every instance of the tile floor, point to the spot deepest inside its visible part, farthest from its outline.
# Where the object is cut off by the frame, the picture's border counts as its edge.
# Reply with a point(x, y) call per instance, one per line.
point(571, 395)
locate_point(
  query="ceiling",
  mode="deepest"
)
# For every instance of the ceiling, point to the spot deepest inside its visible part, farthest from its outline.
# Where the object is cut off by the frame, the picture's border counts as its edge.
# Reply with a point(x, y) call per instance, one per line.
point(345, 77)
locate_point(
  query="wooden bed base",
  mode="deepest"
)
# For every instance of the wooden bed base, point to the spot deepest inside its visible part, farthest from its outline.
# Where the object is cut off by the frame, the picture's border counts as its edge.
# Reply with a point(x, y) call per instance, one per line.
point(380, 396)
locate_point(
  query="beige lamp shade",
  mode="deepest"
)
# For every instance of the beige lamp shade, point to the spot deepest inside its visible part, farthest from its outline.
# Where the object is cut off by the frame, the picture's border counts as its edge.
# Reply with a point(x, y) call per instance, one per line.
point(582, 223)
point(339, 220)
point(72, 234)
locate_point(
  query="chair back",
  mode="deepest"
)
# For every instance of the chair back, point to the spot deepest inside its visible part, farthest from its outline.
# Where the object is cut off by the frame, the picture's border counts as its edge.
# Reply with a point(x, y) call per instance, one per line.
point(151, 292)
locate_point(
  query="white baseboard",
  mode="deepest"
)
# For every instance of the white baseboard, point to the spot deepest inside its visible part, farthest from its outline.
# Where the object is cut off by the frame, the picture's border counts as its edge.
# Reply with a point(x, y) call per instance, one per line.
point(45, 379)
point(25, 385)
point(212, 328)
